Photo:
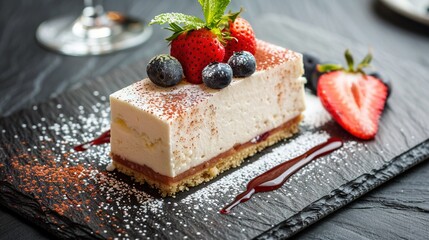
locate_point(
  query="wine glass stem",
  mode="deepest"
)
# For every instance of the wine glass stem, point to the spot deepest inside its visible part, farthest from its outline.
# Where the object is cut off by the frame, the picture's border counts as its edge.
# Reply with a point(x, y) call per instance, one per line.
point(93, 15)
point(93, 8)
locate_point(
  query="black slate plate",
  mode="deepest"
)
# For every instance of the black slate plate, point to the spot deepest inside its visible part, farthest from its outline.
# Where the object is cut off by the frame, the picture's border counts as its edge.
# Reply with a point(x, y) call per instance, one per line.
point(71, 194)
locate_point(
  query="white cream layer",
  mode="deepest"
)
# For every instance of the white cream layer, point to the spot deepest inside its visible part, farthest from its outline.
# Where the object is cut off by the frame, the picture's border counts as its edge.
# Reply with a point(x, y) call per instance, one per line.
point(173, 139)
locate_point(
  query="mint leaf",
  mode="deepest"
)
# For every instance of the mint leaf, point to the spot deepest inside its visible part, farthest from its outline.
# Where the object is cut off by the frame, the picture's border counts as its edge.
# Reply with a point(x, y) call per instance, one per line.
point(191, 22)
point(213, 11)
point(175, 22)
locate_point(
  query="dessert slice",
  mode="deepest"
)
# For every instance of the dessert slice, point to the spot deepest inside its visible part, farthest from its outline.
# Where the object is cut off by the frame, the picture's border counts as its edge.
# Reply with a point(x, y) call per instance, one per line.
point(178, 137)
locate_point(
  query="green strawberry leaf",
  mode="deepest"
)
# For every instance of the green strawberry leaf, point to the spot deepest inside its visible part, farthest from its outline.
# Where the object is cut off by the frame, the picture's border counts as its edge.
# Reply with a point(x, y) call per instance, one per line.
point(365, 62)
point(323, 68)
point(177, 29)
point(213, 11)
point(224, 21)
point(349, 59)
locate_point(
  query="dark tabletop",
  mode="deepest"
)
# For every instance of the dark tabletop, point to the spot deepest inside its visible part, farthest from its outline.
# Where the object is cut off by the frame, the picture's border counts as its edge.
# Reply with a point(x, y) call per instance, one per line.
point(30, 75)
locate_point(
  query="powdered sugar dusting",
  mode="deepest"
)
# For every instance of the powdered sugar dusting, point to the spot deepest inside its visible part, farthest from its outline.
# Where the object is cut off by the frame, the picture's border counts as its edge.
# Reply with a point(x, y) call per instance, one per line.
point(131, 210)
point(315, 114)
point(110, 167)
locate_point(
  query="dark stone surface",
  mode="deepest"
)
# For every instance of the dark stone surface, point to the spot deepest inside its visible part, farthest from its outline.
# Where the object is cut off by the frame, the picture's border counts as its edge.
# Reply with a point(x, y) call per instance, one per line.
point(396, 210)
point(29, 75)
point(354, 189)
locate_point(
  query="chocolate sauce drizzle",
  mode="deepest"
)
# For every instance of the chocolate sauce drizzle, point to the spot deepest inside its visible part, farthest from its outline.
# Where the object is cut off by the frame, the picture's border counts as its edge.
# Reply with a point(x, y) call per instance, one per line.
point(102, 139)
point(278, 175)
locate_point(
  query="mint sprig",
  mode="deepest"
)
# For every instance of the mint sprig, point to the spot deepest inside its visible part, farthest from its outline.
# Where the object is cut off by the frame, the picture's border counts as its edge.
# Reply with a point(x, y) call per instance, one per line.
point(213, 11)
point(214, 20)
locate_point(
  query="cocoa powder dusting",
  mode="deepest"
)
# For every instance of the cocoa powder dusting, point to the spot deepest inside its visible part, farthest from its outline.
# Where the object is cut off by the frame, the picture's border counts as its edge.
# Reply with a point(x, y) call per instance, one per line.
point(268, 55)
point(59, 183)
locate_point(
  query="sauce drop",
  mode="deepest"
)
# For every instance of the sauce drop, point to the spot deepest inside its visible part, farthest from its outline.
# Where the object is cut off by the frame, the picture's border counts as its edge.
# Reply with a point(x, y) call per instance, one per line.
point(102, 139)
point(278, 175)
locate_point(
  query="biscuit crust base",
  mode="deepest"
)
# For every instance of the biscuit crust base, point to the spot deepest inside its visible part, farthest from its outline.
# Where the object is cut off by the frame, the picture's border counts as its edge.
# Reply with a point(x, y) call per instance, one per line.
point(169, 186)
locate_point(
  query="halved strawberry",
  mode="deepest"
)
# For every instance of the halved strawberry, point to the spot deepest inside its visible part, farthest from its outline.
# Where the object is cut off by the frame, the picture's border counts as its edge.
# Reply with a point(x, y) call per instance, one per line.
point(354, 100)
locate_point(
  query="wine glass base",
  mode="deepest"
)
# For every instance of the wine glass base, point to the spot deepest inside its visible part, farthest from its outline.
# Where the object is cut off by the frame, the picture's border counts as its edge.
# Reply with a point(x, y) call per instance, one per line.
point(58, 35)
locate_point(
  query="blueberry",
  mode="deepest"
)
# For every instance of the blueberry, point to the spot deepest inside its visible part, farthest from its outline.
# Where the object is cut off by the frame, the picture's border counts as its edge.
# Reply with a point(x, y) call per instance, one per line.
point(310, 63)
point(164, 70)
point(314, 80)
point(217, 75)
point(243, 64)
point(384, 80)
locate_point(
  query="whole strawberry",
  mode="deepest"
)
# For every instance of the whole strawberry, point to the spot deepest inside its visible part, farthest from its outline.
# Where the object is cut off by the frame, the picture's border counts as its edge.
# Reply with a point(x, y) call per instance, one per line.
point(196, 42)
point(354, 100)
point(195, 50)
point(242, 38)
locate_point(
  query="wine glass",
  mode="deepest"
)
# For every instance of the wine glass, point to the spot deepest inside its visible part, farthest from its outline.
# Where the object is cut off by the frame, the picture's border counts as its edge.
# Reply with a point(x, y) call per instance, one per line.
point(95, 32)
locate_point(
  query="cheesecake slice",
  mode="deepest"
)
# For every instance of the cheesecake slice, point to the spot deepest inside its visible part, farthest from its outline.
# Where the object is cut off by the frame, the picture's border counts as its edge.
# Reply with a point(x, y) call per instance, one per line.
point(176, 138)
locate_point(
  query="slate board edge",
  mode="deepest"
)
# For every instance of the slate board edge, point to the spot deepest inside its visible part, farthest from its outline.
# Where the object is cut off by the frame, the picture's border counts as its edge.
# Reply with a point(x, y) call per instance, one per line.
point(347, 193)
